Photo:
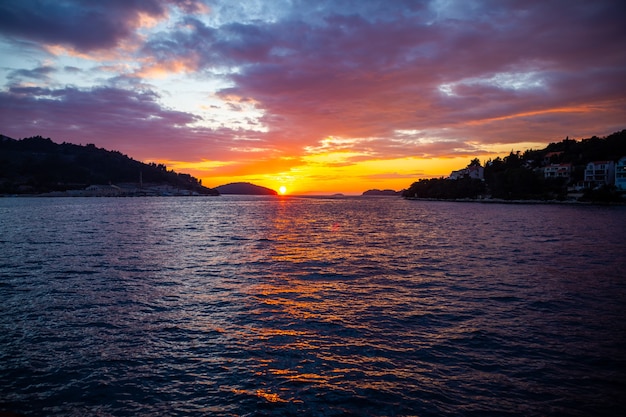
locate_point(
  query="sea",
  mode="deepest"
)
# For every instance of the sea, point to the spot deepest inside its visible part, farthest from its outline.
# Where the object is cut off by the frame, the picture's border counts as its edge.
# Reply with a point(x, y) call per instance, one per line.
point(326, 306)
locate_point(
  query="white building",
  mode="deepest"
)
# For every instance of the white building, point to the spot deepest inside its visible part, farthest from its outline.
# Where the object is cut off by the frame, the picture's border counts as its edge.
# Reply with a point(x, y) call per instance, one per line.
point(473, 171)
point(558, 171)
point(620, 174)
point(599, 173)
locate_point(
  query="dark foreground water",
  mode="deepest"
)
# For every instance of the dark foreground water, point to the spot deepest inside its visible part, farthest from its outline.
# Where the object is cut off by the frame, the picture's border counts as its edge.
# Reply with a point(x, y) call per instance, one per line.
point(235, 306)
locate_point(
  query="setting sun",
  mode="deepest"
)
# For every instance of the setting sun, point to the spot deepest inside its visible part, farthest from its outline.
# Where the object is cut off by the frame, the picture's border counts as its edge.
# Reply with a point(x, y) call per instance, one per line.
point(282, 189)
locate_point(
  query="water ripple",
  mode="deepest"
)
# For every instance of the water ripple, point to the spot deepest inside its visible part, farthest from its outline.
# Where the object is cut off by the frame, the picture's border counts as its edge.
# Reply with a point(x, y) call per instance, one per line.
point(324, 307)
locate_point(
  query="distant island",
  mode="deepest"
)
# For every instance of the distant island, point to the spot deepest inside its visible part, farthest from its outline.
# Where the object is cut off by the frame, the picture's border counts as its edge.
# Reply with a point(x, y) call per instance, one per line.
point(37, 165)
point(244, 188)
point(376, 192)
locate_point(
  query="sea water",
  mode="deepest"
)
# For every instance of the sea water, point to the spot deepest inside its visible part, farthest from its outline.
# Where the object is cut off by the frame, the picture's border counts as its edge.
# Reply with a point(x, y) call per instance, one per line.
point(270, 306)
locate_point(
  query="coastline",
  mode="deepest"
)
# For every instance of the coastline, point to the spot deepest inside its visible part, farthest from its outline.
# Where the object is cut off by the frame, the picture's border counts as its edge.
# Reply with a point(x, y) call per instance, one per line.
point(65, 194)
point(521, 202)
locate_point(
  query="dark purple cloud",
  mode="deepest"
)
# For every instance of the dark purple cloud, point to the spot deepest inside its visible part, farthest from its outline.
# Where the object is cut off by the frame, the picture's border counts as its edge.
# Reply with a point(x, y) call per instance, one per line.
point(82, 24)
point(40, 73)
point(344, 72)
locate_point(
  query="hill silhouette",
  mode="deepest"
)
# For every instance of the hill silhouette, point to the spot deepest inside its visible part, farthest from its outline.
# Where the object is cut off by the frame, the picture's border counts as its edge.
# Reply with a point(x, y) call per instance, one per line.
point(376, 193)
point(520, 176)
point(38, 165)
point(244, 188)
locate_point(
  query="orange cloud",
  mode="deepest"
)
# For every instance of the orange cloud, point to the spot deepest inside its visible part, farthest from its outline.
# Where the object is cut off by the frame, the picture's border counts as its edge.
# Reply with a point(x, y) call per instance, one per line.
point(156, 70)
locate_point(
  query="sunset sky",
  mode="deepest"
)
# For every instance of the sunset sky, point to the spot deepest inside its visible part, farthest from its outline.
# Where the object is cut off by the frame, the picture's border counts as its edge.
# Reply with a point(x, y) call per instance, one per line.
point(318, 96)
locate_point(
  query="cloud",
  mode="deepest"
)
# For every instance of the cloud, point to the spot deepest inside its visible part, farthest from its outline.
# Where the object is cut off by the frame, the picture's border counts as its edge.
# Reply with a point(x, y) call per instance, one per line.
point(344, 82)
point(40, 73)
point(85, 26)
point(348, 76)
point(395, 175)
point(130, 121)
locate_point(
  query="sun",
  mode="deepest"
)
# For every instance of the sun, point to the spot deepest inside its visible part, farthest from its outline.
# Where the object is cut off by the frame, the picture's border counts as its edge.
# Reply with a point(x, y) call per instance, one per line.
point(282, 189)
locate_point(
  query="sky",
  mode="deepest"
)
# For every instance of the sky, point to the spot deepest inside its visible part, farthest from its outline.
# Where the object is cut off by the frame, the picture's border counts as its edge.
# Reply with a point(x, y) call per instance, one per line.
point(317, 96)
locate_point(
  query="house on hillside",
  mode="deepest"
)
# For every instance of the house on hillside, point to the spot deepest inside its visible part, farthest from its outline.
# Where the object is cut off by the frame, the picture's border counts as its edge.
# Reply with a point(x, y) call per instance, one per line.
point(558, 171)
point(620, 174)
point(599, 173)
point(552, 157)
point(98, 190)
point(472, 171)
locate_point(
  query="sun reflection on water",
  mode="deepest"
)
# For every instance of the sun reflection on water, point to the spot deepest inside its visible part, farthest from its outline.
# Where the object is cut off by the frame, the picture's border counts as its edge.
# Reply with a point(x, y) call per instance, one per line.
point(286, 306)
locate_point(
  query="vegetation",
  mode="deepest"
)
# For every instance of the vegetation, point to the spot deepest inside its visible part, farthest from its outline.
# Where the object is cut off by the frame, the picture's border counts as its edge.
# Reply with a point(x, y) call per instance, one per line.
point(513, 179)
point(604, 194)
point(445, 189)
point(38, 165)
point(520, 175)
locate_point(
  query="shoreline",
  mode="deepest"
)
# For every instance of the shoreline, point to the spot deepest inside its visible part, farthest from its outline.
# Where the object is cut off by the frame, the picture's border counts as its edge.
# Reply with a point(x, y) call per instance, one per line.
point(521, 202)
point(62, 194)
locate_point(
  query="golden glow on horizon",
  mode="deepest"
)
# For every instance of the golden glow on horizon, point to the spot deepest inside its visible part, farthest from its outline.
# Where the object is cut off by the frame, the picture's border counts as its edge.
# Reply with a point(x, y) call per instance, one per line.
point(332, 158)
point(333, 172)
point(355, 178)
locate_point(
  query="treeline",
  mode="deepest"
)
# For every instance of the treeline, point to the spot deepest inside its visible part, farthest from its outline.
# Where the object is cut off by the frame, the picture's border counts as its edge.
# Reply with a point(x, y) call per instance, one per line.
point(38, 165)
point(445, 189)
point(520, 175)
point(513, 178)
point(508, 178)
